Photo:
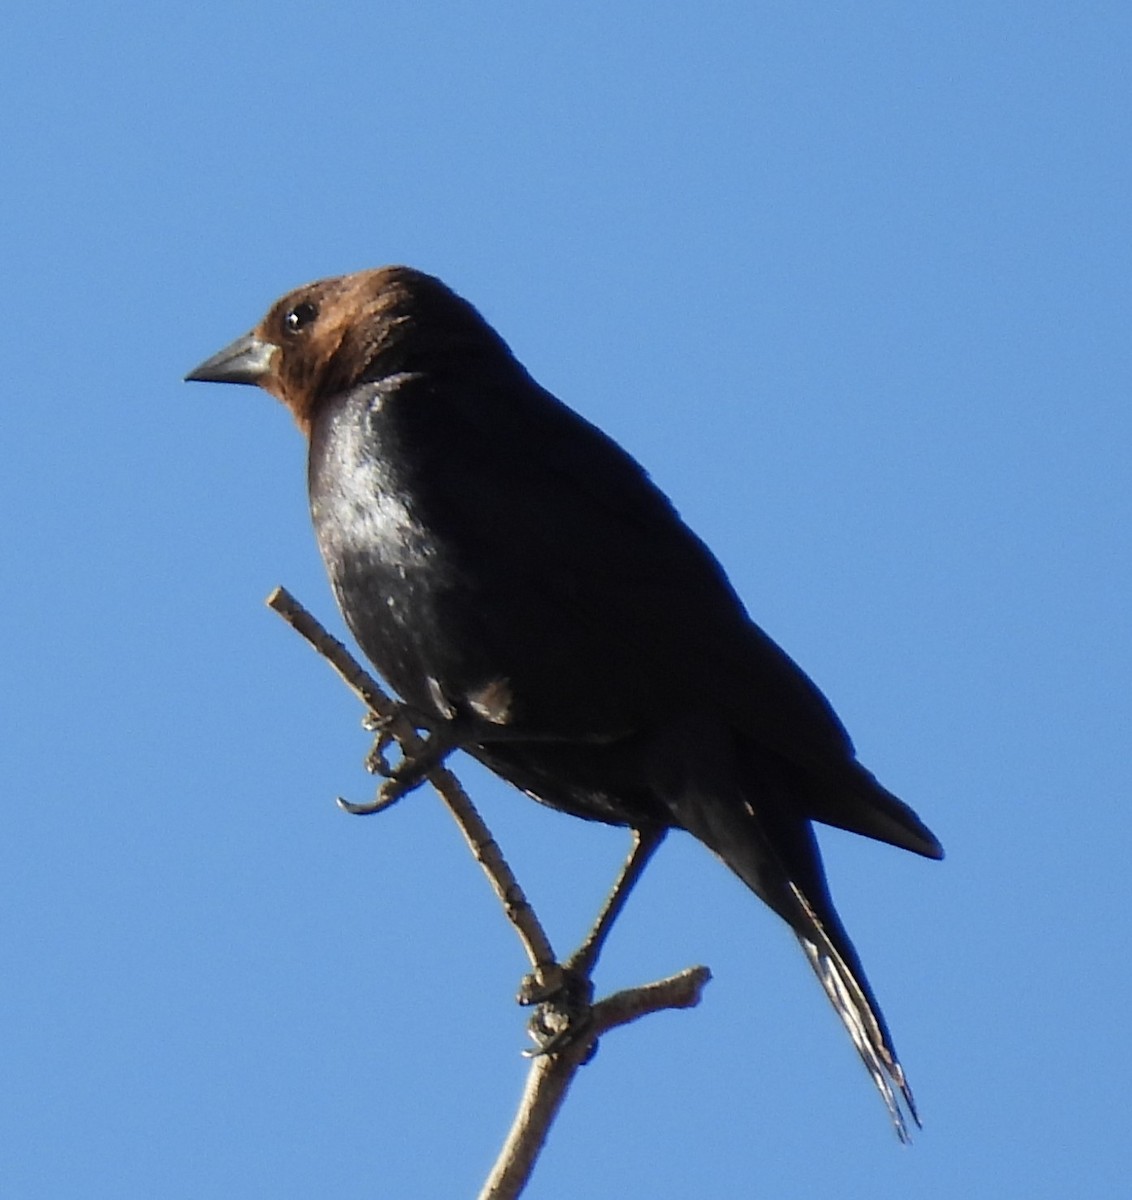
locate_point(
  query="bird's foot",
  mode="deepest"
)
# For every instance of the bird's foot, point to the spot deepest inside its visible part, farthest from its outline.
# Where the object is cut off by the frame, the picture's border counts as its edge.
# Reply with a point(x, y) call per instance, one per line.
point(563, 1000)
point(409, 773)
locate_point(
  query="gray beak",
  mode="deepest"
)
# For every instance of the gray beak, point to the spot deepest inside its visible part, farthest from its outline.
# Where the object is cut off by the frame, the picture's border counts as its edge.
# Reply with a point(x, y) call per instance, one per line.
point(246, 360)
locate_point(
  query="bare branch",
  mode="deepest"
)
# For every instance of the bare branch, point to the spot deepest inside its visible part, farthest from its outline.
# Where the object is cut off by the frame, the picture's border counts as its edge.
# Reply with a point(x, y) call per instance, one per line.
point(480, 841)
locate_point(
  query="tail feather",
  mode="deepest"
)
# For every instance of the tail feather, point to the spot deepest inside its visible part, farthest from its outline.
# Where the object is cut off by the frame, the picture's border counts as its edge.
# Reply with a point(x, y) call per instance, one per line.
point(744, 809)
point(862, 1021)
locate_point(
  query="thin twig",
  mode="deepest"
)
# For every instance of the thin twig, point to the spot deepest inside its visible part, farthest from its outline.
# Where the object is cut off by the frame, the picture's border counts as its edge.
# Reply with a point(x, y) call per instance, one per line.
point(480, 841)
point(550, 1076)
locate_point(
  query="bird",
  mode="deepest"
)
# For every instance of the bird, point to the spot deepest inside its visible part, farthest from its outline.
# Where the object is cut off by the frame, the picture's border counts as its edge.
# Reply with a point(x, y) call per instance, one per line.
point(535, 600)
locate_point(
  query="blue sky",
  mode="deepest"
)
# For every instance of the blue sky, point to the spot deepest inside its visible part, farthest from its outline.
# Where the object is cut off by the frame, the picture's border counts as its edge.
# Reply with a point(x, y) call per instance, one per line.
point(852, 280)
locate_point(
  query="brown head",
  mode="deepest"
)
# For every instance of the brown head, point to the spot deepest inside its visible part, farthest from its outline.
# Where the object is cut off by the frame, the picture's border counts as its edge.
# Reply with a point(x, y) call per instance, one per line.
point(326, 337)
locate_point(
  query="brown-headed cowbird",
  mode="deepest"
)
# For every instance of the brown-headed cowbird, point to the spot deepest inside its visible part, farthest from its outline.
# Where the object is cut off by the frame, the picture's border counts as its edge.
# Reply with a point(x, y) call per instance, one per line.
point(526, 588)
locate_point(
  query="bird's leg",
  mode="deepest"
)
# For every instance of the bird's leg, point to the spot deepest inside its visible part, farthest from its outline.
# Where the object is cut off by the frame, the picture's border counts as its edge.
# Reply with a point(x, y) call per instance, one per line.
point(564, 998)
point(646, 842)
point(410, 772)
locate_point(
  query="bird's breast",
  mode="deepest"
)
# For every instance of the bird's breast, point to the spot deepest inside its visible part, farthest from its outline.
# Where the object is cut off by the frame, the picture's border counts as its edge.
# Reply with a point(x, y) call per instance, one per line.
point(382, 561)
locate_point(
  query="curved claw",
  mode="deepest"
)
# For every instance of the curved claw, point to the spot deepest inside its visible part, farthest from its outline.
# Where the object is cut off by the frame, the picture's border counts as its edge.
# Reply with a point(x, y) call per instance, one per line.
point(378, 804)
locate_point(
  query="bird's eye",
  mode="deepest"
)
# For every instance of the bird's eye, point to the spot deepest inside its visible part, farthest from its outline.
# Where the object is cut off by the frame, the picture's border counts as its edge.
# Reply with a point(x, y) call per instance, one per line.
point(300, 316)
